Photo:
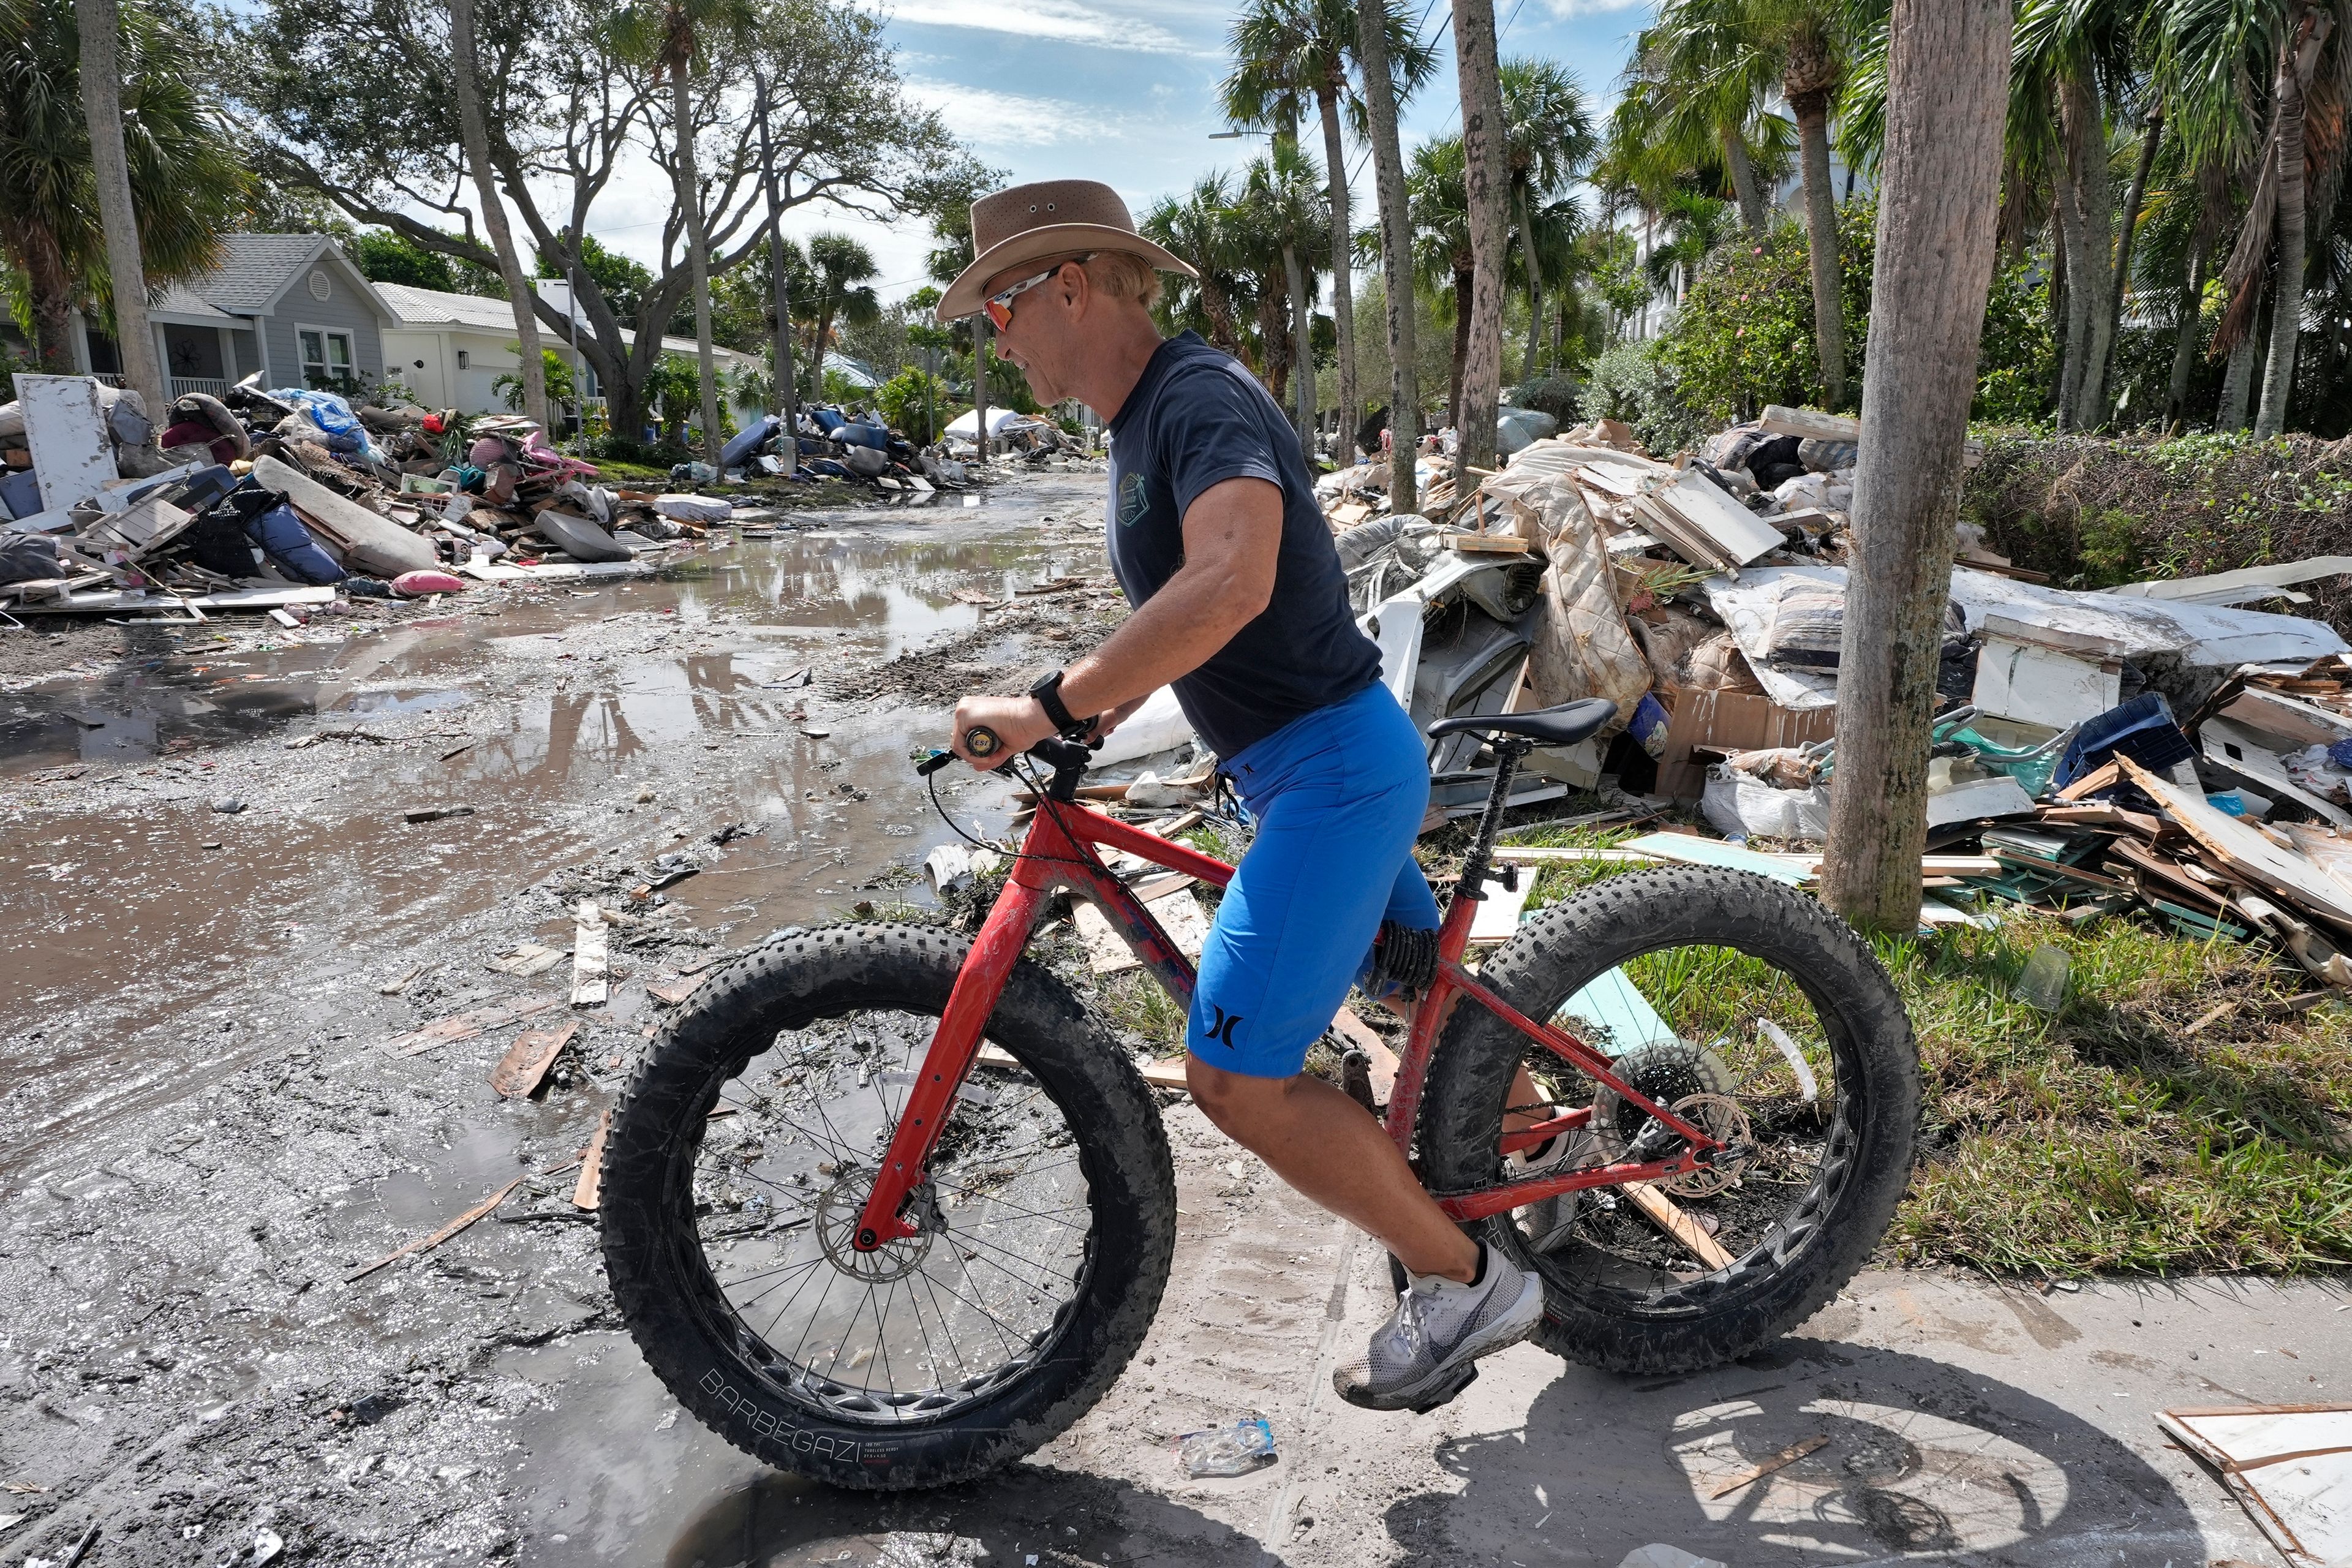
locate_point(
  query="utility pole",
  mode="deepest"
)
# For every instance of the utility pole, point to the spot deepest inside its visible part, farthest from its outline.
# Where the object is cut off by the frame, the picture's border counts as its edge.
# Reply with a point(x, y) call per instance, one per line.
point(787, 382)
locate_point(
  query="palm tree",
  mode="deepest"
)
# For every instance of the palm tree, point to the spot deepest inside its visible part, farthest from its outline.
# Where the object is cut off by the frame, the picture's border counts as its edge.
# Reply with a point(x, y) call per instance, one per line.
point(842, 290)
point(100, 23)
point(1283, 207)
point(465, 83)
point(1443, 259)
point(1199, 227)
point(1806, 39)
point(1486, 169)
point(1381, 91)
point(1285, 50)
point(187, 179)
point(1549, 133)
point(669, 36)
point(1693, 92)
point(1691, 226)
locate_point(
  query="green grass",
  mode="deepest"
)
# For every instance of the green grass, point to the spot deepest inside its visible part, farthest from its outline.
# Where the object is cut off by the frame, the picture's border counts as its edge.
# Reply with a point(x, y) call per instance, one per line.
point(2108, 1139)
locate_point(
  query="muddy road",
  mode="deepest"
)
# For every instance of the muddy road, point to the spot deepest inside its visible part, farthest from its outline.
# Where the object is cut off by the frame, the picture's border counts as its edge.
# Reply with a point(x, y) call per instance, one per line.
point(219, 914)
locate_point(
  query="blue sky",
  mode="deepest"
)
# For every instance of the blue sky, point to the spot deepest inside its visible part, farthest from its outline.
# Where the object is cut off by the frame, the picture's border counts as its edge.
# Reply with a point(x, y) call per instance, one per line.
point(1124, 90)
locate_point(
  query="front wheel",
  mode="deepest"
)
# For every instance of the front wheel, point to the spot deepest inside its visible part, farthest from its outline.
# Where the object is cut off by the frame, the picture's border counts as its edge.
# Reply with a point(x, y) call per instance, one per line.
point(1746, 1009)
point(744, 1148)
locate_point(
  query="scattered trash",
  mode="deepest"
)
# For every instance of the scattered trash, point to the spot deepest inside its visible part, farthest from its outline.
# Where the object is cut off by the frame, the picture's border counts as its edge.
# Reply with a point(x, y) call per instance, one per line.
point(586, 1191)
point(1232, 1450)
point(2043, 985)
point(435, 813)
point(1660, 1555)
point(522, 1071)
point(1757, 1471)
point(427, 1243)
point(2289, 1466)
point(590, 987)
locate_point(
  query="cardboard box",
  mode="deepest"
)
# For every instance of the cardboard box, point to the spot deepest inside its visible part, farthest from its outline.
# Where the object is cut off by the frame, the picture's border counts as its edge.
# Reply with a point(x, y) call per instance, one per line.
point(1730, 721)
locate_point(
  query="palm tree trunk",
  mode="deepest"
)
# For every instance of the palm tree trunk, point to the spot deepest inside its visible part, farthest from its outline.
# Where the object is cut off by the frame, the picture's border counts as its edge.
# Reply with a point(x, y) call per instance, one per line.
point(786, 398)
point(1811, 110)
point(100, 23)
point(52, 296)
point(697, 250)
point(2137, 192)
point(2238, 380)
point(1301, 325)
point(1396, 251)
point(1527, 371)
point(2075, 345)
point(2286, 302)
point(1947, 73)
point(473, 124)
point(1743, 181)
point(2085, 127)
point(1343, 283)
point(2184, 348)
point(1463, 285)
point(1486, 173)
point(824, 330)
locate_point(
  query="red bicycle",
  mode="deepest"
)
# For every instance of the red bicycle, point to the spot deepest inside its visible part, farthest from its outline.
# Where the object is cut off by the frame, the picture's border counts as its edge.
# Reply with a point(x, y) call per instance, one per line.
point(891, 1207)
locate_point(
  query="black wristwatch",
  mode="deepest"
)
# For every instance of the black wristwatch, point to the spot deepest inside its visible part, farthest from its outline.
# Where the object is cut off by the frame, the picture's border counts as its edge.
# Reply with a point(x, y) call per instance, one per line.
point(1048, 693)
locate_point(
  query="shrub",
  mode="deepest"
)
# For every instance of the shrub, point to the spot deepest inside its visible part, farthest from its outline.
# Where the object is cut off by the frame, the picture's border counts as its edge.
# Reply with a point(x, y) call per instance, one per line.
point(901, 400)
point(1628, 382)
point(1743, 335)
point(1554, 394)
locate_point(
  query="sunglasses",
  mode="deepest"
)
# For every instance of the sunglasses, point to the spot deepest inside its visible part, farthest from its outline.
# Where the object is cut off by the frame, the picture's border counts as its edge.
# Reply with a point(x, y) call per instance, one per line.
point(998, 308)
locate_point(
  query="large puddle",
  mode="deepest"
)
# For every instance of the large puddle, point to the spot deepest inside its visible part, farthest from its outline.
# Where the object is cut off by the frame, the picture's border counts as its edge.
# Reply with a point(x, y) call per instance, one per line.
point(626, 721)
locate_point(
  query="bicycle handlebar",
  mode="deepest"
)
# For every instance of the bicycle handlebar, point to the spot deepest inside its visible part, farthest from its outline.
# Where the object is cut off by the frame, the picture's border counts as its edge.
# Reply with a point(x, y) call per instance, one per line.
point(982, 742)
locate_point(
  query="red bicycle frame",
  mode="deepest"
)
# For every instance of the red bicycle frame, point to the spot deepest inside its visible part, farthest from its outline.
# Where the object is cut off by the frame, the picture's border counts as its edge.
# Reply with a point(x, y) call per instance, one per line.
point(1059, 852)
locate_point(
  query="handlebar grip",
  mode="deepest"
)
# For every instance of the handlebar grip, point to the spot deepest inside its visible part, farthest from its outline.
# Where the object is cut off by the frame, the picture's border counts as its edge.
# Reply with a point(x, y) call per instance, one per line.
point(934, 762)
point(982, 741)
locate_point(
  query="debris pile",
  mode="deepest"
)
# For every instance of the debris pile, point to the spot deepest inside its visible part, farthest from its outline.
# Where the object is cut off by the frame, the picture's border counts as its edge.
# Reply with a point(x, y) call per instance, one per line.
point(285, 500)
point(1705, 596)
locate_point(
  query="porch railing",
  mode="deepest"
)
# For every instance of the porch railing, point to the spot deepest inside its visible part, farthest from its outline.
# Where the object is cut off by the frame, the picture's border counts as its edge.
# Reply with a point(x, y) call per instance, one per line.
point(183, 384)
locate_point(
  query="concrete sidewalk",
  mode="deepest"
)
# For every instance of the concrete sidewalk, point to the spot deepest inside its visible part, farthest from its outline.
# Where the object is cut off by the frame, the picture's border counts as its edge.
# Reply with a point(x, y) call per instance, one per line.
point(1966, 1423)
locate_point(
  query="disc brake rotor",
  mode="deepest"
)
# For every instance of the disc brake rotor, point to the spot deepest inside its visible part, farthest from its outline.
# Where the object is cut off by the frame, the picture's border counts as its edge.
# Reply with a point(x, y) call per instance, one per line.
point(1719, 1117)
point(1662, 1074)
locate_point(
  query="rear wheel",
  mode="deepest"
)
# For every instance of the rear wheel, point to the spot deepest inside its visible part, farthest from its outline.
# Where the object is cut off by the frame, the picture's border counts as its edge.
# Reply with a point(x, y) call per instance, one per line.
point(1751, 1012)
point(745, 1146)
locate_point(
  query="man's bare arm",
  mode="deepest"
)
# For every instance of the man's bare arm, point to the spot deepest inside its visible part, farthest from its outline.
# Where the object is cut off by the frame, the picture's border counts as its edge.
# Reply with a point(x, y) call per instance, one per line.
point(1233, 538)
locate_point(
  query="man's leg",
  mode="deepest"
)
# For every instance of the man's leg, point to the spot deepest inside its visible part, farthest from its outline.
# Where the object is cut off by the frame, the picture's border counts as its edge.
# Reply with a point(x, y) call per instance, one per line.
point(1329, 1147)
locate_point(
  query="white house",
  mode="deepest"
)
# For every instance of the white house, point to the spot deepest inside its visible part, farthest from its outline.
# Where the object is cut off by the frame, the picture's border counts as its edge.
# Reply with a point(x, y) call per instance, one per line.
point(290, 306)
point(448, 349)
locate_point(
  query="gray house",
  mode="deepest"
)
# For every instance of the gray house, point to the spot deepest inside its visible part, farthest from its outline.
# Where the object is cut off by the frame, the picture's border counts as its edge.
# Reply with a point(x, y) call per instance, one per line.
point(290, 306)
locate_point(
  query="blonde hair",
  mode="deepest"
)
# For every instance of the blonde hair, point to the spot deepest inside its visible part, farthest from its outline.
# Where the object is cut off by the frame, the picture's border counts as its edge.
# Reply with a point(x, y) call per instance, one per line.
point(1122, 275)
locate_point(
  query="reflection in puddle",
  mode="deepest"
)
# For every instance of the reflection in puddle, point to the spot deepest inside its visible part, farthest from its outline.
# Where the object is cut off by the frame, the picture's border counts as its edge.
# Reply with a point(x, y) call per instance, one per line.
point(406, 701)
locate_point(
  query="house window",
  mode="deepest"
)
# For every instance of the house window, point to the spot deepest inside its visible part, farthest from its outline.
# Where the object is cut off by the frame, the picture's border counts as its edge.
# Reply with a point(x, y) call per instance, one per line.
point(326, 359)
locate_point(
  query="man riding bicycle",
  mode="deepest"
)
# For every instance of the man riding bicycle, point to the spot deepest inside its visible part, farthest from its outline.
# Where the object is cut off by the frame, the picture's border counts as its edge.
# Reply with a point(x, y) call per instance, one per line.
point(1240, 603)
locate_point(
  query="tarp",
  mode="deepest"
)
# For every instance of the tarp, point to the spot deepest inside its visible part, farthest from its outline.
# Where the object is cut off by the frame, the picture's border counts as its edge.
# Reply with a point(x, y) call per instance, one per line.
point(999, 420)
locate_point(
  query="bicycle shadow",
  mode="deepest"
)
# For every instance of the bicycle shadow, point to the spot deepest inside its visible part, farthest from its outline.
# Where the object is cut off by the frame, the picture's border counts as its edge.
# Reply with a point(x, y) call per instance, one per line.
point(1028, 1513)
point(1920, 1460)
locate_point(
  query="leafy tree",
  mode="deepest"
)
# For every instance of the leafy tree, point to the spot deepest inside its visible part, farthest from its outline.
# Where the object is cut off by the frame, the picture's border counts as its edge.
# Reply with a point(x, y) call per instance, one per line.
point(917, 404)
point(1201, 226)
point(1745, 333)
point(188, 181)
point(384, 256)
point(623, 281)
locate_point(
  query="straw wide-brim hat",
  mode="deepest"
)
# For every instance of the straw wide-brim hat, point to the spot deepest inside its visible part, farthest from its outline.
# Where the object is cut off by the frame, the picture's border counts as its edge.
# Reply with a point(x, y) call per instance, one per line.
point(1052, 217)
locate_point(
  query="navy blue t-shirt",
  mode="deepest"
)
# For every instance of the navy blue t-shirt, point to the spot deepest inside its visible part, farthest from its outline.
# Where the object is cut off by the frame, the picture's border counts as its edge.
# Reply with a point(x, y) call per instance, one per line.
point(1195, 419)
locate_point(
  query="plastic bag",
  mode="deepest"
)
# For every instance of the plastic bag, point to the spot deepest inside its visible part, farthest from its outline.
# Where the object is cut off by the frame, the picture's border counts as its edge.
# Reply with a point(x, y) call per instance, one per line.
point(1739, 805)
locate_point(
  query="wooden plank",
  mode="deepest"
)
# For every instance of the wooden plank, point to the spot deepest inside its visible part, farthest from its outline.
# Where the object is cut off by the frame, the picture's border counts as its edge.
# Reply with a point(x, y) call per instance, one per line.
point(675, 991)
point(1487, 543)
point(427, 1243)
point(1361, 1036)
point(1757, 1471)
point(589, 986)
point(2107, 775)
point(530, 958)
point(2245, 851)
point(1668, 1215)
point(1177, 910)
point(1736, 533)
point(1497, 916)
point(462, 1025)
point(588, 1191)
point(523, 1068)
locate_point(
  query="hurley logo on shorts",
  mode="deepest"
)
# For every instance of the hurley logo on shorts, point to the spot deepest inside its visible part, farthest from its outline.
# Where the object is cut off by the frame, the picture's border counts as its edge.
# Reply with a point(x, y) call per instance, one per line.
point(1222, 1031)
point(1134, 500)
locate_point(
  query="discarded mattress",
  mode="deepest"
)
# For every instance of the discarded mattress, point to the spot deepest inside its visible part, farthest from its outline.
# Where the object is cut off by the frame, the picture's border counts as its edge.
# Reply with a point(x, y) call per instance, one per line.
point(694, 508)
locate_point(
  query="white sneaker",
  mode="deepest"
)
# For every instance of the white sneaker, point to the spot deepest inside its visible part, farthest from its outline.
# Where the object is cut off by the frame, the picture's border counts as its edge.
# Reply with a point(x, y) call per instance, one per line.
point(1426, 1353)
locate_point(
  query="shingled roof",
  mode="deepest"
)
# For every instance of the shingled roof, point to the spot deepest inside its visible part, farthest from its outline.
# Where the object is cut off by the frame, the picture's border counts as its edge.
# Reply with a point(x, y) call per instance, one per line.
point(254, 270)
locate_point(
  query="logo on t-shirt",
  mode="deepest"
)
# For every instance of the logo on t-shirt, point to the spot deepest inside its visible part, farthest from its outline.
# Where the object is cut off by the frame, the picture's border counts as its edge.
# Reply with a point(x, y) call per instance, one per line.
point(1134, 500)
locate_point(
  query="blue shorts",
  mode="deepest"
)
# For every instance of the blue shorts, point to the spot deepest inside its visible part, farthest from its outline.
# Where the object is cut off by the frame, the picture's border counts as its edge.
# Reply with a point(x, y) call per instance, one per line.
point(1338, 796)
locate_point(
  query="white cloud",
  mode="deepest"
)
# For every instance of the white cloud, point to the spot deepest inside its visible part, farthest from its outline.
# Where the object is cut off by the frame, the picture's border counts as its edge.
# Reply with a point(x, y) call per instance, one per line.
point(988, 117)
point(1571, 10)
point(1068, 21)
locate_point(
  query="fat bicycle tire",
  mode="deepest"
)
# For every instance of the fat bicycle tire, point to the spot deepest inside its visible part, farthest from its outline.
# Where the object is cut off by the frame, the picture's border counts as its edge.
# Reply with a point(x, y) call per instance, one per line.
point(682, 1322)
point(1828, 1235)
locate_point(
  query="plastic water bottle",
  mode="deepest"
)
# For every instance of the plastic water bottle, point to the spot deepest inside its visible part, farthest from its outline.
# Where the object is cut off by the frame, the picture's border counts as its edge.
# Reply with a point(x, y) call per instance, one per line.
point(1232, 1450)
point(2043, 984)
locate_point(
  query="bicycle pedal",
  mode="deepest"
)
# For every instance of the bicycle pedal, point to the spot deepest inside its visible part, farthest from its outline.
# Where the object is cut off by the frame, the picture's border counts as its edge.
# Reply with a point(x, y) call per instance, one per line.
point(1444, 1392)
